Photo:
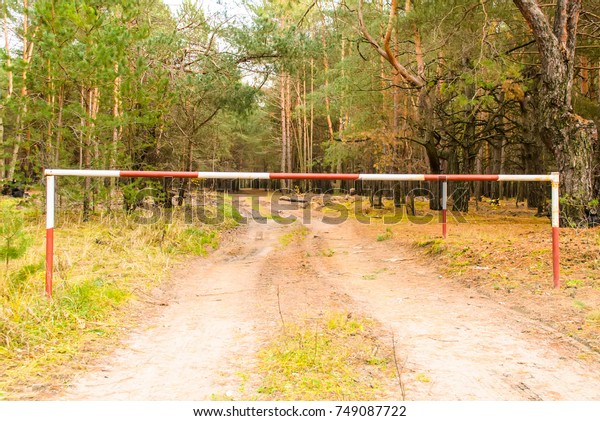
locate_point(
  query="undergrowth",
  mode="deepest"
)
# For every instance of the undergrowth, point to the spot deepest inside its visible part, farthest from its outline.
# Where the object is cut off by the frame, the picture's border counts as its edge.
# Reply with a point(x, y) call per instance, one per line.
point(333, 358)
point(101, 268)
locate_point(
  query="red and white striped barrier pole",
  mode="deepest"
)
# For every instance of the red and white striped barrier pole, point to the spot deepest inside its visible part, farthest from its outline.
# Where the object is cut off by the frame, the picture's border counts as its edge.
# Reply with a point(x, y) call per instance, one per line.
point(553, 178)
point(444, 205)
point(556, 228)
point(49, 233)
point(299, 176)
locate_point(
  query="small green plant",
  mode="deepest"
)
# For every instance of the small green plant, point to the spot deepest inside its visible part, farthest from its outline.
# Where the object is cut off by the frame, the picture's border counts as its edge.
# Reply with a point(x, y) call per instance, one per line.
point(423, 378)
point(386, 235)
point(298, 233)
point(574, 283)
point(196, 241)
point(378, 361)
point(433, 247)
point(580, 305)
point(14, 241)
point(221, 397)
point(18, 279)
point(232, 217)
point(328, 252)
point(462, 251)
point(345, 323)
point(92, 298)
point(594, 316)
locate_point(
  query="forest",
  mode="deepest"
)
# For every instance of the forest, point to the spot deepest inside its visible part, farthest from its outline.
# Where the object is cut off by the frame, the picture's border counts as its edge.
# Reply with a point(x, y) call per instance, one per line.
point(312, 289)
point(372, 86)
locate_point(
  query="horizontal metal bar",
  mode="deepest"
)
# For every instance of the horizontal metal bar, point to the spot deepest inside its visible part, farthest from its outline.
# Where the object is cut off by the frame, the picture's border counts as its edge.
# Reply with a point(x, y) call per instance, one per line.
point(160, 174)
point(391, 177)
point(235, 175)
point(84, 173)
point(525, 177)
point(312, 176)
point(301, 176)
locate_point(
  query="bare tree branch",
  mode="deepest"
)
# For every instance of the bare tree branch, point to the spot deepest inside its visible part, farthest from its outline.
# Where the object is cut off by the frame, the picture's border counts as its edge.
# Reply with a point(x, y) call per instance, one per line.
point(386, 51)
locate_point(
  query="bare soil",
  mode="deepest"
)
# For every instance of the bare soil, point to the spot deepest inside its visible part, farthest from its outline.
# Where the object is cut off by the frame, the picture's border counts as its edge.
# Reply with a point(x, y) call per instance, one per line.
point(454, 342)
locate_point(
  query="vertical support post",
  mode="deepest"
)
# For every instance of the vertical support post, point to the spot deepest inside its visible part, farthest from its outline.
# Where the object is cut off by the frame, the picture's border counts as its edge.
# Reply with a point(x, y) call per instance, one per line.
point(555, 229)
point(49, 233)
point(444, 205)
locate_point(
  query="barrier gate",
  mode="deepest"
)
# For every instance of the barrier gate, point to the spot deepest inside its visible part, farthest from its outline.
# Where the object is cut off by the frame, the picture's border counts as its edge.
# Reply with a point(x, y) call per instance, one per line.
point(553, 178)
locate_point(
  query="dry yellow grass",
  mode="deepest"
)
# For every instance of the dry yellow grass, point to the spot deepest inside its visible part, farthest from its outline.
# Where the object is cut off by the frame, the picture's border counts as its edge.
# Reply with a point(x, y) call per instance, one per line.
point(505, 252)
point(102, 268)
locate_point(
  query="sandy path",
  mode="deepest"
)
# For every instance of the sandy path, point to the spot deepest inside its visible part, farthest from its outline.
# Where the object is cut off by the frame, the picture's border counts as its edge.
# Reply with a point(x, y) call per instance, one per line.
point(191, 349)
point(468, 346)
point(457, 344)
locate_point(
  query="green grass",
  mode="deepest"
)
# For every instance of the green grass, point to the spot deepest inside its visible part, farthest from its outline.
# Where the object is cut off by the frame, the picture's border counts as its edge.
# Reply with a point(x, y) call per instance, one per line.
point(574, 283)
point(432, 247)
point(334, 358)
point(580, 305)
point(298, 233)
point(593, 316)
point(101, 267)
point(196, 241)
point(386, 235)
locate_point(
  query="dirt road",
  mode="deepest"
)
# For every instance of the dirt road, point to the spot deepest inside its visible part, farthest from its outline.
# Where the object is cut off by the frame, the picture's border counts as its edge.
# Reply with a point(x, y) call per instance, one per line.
point(456, 344)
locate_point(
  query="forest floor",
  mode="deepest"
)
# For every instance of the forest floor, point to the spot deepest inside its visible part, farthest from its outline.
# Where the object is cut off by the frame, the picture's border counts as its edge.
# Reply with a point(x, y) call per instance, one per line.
point(256, 319)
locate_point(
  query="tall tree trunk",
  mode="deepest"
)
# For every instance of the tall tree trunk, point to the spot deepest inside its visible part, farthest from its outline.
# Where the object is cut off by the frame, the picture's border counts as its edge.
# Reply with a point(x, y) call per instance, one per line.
point(312, 116)
point(572, 139)
point(59, 125)
point(51, 101)
point(533, 163)
point(598, 82)
point(288, 115)
point(342, 121)
point(9, 92)
point(397, 80)
point(479, 170)
point(9, 72)
point(118, 128)
point(22, 114)
point(597, 158)
point(326, 68)
point(584, 87)
point(299, 128)
point(284, 121)
point(305, 128)
point(85, 151)
point(467, 150)
point(497, 149)
point(17, 145)
point(96, 141)
point(284, 131)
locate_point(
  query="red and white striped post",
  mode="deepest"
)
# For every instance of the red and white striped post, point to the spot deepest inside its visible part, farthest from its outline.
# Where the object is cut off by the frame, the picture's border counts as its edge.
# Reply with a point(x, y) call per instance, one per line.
point(553, 178)
point(49, 233)
point(444, 205)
